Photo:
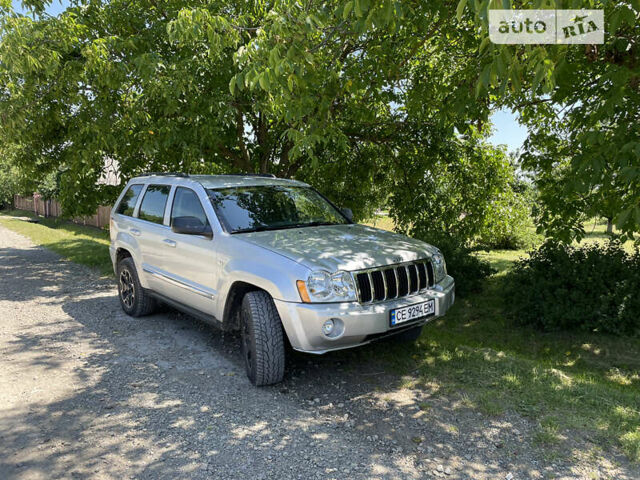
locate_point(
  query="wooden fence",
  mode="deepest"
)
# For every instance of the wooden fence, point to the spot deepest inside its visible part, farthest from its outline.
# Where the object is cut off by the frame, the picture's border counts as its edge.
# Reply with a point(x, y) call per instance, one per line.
point(51, 208)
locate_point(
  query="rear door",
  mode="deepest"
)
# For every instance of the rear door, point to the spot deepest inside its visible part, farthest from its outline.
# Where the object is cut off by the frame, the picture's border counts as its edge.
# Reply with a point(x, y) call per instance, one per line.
point(151, 229)
point(189, 261)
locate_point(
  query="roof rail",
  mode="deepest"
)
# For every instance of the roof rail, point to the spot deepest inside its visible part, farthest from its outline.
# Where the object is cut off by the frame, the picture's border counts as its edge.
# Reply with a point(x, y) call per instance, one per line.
point(264, 175)
point(164, 174)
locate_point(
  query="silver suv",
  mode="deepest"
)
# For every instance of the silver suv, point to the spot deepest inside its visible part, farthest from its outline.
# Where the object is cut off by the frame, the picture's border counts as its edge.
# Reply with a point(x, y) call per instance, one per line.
point(272, 258)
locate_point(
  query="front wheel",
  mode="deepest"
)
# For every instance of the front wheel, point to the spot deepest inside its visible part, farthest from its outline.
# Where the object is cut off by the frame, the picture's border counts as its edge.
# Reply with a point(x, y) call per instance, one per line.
point(262, 339)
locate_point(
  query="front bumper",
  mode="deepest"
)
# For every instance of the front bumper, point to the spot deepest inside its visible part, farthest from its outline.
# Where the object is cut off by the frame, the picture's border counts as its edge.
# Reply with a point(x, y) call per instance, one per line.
point(362, 323)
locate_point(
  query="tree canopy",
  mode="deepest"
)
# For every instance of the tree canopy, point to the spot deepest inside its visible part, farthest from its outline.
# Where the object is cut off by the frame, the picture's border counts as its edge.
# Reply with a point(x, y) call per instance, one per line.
point(581, 104)
point(311, 90)
point(347, 94)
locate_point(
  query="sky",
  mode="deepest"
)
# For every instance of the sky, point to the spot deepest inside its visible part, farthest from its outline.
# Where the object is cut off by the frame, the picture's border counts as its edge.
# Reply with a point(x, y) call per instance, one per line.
point(54, 8)
point(507, 130)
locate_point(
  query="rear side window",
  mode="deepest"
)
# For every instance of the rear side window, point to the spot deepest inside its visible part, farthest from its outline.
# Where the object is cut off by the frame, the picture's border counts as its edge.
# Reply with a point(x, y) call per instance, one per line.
point(187, 204)
point(154, 203)
point(128, 202)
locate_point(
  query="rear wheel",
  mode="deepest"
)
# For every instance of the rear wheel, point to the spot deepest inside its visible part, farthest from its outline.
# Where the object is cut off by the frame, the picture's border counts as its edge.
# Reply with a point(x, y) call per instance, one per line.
point(262, 339)
point(134, 300)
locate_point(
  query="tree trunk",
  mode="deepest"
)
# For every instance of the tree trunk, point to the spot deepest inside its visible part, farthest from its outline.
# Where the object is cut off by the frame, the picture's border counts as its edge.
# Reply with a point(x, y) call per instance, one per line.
point(609, 226)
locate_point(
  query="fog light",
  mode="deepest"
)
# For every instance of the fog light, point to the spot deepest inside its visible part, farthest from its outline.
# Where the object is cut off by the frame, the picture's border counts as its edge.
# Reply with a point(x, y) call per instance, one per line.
point(333, 328)
point(327, 327)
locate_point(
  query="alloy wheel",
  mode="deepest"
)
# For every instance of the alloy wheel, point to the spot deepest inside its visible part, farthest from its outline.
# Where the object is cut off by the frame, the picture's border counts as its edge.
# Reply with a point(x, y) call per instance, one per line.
point(127, 289)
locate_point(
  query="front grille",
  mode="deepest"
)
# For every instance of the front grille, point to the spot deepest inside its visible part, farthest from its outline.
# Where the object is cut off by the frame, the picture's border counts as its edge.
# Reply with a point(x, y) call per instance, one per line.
point(395, 281)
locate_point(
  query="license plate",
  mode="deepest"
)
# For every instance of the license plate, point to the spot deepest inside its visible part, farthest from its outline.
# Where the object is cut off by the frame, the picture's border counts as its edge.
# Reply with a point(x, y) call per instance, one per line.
point(412, 312)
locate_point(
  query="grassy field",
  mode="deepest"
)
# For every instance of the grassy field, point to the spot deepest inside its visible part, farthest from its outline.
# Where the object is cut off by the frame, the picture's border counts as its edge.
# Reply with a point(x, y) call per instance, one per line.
point(585, 383)
point(569, 383)
point(86, 245)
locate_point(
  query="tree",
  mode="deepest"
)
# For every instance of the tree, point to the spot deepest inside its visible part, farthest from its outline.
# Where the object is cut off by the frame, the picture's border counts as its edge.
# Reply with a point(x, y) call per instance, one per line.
point(9, 185)
point(581, 104)
point(456, 198)
point(313, 91)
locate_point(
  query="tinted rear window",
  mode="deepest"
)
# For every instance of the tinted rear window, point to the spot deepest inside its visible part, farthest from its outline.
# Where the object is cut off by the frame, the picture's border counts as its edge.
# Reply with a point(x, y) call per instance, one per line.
point(154, 203)
point(128, 202)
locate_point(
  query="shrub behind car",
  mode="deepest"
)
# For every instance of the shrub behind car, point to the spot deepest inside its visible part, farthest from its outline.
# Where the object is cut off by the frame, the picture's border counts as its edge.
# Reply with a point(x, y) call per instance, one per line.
point(592, 288)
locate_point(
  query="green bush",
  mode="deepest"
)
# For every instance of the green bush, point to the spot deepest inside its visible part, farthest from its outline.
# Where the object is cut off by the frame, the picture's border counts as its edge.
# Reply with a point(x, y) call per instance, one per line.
point(468, 270)
point(508, 224)
point(592, 288)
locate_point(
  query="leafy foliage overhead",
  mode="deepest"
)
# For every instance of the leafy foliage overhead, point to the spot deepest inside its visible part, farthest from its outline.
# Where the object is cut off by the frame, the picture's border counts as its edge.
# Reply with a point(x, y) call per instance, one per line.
point(299, 89)
point(582, 106)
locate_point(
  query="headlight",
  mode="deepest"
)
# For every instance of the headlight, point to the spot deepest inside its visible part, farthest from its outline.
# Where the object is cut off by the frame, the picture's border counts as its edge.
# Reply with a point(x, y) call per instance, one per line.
point(322, 286)
point(319, 285)
point(439, 267)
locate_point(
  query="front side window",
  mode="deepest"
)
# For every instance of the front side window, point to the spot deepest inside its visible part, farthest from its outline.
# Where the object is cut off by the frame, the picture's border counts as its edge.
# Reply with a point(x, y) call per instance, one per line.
point(128, 203)
point(186, 204)
point(154, 203)
point(272, 207)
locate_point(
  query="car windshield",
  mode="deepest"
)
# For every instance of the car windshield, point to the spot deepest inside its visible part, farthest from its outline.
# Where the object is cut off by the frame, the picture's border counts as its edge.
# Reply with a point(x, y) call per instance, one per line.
point(272, 207)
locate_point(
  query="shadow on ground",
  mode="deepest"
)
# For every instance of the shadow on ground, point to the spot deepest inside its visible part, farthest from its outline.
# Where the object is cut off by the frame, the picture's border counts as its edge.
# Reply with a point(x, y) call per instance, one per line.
point(94, 393)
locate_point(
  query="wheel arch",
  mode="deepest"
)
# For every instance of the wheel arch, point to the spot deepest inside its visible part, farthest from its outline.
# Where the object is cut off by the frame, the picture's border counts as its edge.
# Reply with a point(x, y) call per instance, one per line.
point(233, 303)
point(122, 253)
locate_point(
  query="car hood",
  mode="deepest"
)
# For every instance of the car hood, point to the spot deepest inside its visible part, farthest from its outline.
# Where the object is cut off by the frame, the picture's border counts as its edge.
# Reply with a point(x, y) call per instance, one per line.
point(341, 247)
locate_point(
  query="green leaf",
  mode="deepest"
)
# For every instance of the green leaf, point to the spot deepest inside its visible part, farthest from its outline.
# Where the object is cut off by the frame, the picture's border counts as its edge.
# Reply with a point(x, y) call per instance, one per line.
point(358, 10)
point(484, 44)
point(347, 10)
point(515, 81)
point(460, 9)
point(264, 81)
point(614, 21)
point(621, 219)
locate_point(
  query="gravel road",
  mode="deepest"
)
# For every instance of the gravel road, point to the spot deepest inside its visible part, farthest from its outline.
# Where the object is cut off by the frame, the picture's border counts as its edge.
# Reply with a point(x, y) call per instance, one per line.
point(87, 392)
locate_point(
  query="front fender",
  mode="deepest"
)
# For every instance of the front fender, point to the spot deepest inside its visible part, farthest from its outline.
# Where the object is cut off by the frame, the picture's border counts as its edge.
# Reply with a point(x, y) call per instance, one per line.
point(243, 262)
point(275, 278)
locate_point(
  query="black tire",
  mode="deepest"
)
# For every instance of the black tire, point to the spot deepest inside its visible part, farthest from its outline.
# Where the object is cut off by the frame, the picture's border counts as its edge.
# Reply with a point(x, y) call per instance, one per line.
point(262, 339)
point(407, 336)
point(134, 300)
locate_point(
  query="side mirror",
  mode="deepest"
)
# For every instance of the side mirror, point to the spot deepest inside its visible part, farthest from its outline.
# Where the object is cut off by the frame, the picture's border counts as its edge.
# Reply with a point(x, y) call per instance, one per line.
point(191, 226)
point(347, 213)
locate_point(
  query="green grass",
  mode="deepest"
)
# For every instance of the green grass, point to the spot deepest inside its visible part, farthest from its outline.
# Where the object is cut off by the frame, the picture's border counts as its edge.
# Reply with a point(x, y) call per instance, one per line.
point(579, 382)
point(85, 245)
point(382, 221)
point(587, 383)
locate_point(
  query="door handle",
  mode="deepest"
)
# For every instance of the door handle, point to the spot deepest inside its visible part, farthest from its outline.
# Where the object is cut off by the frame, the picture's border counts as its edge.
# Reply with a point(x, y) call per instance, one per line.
point(135, 231)
point(170, 243)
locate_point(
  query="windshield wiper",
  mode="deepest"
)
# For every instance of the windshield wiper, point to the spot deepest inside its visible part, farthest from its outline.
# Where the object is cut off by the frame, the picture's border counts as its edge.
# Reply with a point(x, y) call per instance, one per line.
point(262, 228)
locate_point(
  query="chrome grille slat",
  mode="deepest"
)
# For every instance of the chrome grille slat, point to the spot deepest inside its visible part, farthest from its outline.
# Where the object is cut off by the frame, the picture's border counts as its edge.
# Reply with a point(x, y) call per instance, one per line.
point(395, 274)
point(377, 284)
point(373, 293)
point(384, 281)
point(406, 269)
